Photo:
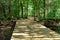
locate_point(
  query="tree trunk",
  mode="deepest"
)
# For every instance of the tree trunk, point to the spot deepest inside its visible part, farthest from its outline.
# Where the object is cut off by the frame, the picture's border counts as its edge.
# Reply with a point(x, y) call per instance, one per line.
point(21, 8)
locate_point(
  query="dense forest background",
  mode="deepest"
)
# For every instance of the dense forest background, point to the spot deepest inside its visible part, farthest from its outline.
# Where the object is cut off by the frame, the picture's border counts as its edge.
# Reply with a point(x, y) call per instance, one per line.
point(24, 8)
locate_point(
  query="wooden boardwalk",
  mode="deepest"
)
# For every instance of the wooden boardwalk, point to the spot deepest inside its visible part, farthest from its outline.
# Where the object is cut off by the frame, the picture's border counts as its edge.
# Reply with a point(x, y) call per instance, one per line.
point(29, 30)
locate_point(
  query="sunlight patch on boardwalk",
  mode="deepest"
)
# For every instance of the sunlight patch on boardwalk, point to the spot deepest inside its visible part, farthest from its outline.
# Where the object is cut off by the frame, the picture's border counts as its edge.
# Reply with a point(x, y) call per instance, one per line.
point(33, 31)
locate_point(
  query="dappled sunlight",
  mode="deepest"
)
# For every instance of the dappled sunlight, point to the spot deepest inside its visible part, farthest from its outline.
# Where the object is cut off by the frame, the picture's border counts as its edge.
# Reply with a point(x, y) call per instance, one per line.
point(29, 19)
point(32, 30)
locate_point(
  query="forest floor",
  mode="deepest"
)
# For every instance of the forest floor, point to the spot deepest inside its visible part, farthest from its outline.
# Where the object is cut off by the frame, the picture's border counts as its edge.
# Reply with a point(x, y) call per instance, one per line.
point(6, 29)
point(27, 29)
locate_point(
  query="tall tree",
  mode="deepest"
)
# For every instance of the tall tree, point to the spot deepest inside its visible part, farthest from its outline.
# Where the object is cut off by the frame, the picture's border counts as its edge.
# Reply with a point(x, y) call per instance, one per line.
point(44, 9)
point(25, 8)
point(36, 9)
point(21, 4)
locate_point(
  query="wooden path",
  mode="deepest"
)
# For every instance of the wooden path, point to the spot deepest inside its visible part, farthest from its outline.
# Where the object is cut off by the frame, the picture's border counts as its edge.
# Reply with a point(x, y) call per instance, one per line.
point(28, 30)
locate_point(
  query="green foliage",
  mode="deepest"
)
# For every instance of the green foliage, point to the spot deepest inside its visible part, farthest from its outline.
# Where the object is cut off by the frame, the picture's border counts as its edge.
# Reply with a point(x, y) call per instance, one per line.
point(23, 8)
